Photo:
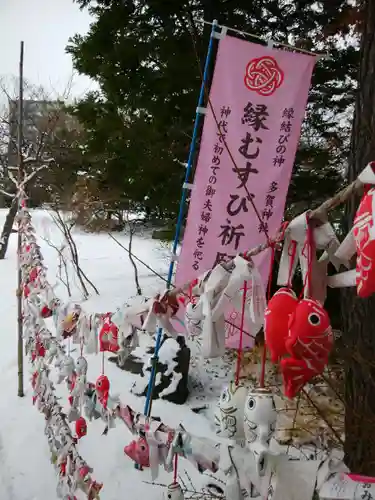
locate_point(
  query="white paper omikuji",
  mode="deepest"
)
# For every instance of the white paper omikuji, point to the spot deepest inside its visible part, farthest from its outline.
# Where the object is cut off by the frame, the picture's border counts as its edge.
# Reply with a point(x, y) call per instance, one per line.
point(81, 366)
point(90, 408)
point(333, 483)
point(341, 487)
point(66, 368)
point(231, 292)
point(213, 329)
point(295, 236)
point(294, 479)
point(87, 327)
point(154, 320)
point(51, 353)
point(231, 468)
point(194, 319)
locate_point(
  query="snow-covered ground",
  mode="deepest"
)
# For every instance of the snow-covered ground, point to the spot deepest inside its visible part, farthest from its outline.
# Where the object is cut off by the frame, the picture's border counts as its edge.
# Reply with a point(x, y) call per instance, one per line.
point(25, 469)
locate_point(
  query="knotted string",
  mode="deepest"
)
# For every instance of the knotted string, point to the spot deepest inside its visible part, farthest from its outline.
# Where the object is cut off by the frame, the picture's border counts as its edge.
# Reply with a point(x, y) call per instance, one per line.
point(102, 317)
point(309, 248)
point(292, 252)
point(239, 351)
point(175, 468)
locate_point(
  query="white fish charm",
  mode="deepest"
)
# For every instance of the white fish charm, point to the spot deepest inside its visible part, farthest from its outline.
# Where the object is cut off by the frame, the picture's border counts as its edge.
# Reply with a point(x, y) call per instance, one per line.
point(66, 368)
point(259, 419)
point(174, 492)
point(229, 416)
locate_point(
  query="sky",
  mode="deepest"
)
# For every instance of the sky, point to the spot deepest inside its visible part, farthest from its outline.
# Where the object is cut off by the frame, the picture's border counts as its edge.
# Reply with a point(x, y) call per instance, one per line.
point(45, 26)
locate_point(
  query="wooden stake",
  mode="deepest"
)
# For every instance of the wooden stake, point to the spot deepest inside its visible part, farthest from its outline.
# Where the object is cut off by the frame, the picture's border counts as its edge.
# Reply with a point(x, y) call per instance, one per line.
point(20, 178)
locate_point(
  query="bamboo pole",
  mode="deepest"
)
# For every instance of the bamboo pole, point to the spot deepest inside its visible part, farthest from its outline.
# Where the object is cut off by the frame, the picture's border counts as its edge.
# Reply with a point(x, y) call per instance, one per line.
point(20, 178)
point(320, 214)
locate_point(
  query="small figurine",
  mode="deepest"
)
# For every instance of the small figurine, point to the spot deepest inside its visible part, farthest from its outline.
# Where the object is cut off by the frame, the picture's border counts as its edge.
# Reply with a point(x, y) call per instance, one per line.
point(174, 492)
point(230, 412)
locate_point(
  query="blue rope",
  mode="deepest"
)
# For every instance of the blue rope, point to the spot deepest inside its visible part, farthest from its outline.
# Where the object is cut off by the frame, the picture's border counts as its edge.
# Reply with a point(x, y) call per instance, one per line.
point(148, 403)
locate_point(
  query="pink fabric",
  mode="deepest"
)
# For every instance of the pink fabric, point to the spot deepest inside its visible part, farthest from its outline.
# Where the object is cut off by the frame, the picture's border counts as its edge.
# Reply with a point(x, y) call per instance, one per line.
point(274, 84)
point(358, 478)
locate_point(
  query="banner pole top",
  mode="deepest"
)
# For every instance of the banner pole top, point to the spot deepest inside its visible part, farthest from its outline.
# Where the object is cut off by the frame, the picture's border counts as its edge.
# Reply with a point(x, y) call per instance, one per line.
point(270, 42)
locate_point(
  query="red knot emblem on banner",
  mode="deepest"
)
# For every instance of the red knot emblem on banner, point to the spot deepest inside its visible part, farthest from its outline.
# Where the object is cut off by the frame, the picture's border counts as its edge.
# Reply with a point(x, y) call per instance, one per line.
point(263, 75)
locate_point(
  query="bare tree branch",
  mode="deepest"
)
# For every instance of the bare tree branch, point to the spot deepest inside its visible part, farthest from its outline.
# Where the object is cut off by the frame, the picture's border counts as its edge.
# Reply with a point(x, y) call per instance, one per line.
point(66, 230)
point(10, 195)
point(132, 229)
point(63, 265)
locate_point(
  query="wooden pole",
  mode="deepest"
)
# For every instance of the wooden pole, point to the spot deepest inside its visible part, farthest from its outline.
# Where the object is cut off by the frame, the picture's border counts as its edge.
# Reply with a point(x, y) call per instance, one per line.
point(20, 178)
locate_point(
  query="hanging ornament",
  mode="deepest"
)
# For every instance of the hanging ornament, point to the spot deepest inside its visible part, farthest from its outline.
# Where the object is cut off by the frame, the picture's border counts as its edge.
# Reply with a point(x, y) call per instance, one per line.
point(108, 335)
point(359, 240)
point(39, 351)
point(278, 312)
point(81, 365)
point(194, 319)
point(66, 368)
point(174, 492)
point(48, 306)
point(363, 232)
point(68, 320)
point(139, 451)
point(81, 427)
point(33, 274)
point(89, 403)
point(74, 401)
point(213, 319)
point(51, 352)
point(46, 312)
point(88, 332)
point(92, 489)
point(161, 310)
point(34, 379)
point(232, 470)
point(77, 389)
point(259, 420)
point(309, 343)
point(230, 412)
point(301, 242)
point(102, 390)
point(71, 380)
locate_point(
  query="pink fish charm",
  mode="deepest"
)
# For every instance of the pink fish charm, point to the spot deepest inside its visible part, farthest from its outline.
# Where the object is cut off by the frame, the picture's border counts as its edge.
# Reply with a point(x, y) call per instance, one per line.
point(309, 343)
point(139, 451)
point(102, 390)
point(363, 232)
point(310, 332)
point(276, 319)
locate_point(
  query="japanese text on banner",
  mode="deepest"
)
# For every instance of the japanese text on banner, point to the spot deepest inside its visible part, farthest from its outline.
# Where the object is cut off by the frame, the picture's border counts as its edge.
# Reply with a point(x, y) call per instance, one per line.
point(258, 96)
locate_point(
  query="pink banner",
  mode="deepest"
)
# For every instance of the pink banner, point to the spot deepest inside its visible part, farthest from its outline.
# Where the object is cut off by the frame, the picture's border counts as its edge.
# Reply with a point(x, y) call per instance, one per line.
point(259, 97)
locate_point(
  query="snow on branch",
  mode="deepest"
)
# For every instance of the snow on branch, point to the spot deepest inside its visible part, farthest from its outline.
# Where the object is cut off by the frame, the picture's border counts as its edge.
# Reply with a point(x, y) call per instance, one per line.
point(30, 176)
point(21, 185)
point(33, 159)
point(10, 195)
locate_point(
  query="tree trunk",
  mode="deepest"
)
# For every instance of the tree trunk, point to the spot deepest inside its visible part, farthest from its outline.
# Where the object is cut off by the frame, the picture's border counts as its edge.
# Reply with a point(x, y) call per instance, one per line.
point(7, 228)
point(358, 314)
